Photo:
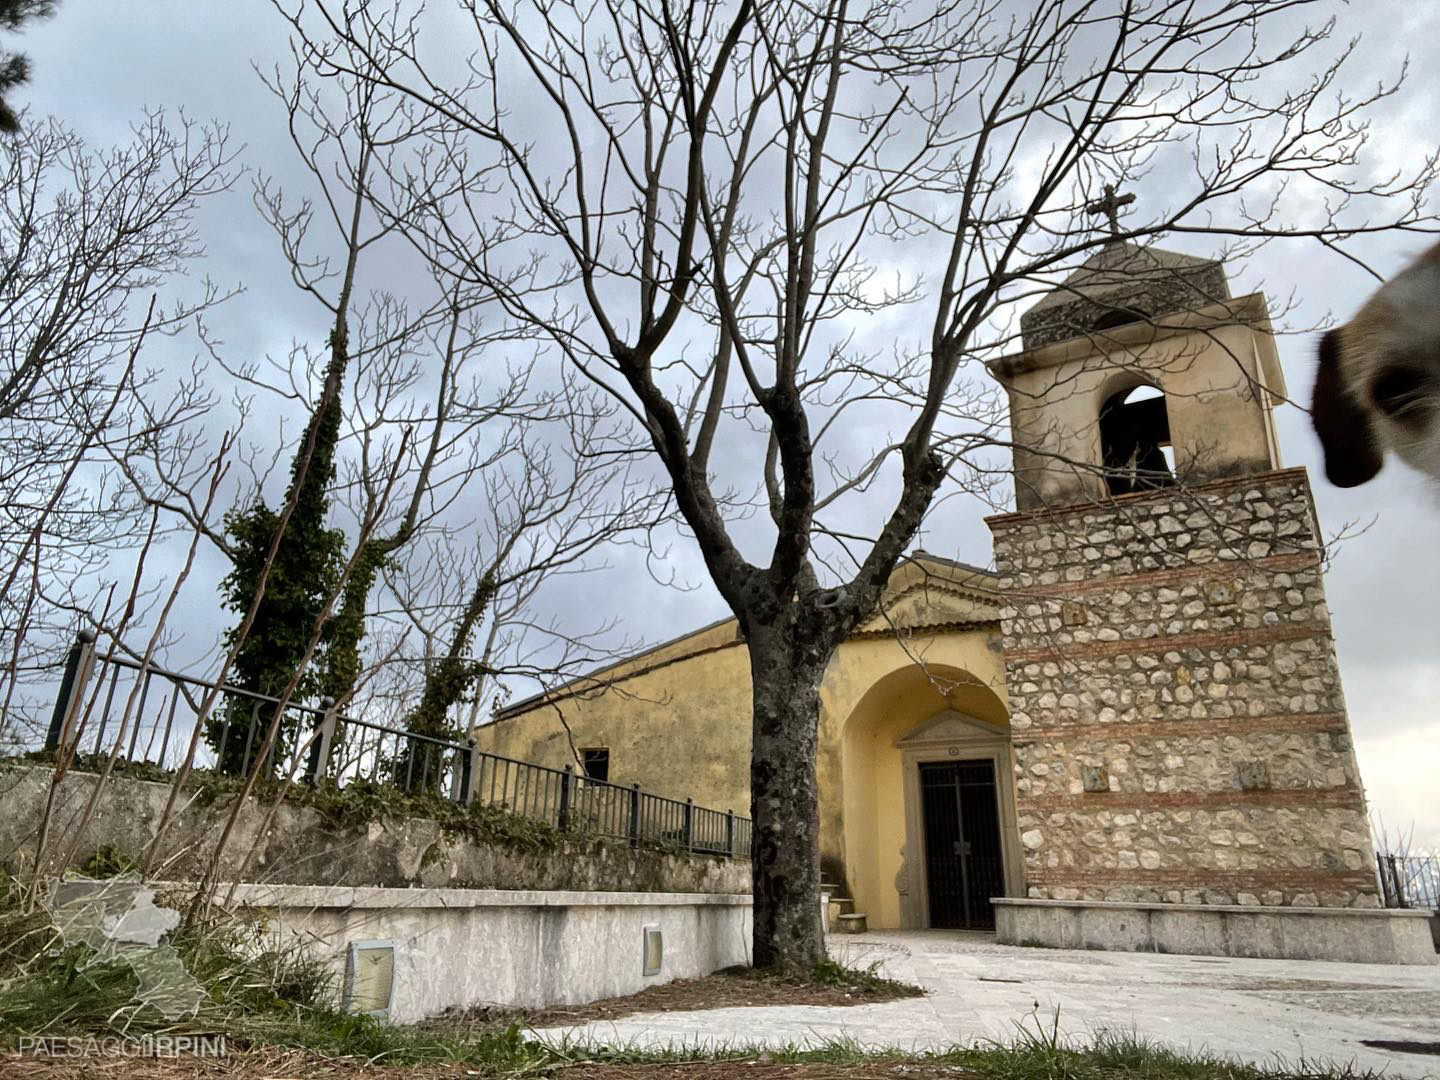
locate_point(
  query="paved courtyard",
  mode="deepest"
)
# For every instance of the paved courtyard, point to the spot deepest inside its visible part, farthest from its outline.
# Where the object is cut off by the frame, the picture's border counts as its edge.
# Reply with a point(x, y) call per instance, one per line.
point(1252, 1009)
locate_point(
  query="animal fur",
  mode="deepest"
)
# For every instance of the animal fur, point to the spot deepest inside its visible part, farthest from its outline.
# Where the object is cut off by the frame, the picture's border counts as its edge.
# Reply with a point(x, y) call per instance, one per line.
point(1378, 385)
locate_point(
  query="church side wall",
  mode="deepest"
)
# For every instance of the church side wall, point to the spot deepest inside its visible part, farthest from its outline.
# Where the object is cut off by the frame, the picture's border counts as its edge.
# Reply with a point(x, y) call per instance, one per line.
point(1180, 729)
point(680, 729)
point(680, 726)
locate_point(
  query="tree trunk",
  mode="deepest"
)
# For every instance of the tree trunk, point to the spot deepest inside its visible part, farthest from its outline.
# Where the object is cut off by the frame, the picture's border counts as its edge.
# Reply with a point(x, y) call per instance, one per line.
point(786, 663)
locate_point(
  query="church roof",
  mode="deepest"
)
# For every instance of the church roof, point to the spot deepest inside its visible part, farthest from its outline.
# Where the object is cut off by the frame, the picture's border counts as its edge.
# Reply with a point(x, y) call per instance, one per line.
point(926, 593)
point(1123, 277)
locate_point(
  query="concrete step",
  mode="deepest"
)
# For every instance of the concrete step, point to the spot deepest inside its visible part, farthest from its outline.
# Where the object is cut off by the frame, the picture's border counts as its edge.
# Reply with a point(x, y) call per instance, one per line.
point(838, 906)
point(854, 923)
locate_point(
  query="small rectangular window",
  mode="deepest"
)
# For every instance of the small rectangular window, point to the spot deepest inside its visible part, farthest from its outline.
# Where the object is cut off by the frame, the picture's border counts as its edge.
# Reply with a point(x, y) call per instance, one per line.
point(597, 762)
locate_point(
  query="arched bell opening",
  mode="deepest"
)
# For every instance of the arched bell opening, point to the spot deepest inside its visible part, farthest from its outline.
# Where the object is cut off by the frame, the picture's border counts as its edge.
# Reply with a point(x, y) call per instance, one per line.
point(1137, 453)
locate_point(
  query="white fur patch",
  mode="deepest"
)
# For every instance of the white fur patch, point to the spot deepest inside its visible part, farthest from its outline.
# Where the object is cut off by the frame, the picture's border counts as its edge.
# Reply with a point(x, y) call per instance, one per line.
point(1400, 326)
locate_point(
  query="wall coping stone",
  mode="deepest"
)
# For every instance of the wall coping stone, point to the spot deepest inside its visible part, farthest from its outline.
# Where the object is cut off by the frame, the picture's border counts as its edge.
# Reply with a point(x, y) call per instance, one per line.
point(1218, 909)
point(372, 897)
point(1288, 474)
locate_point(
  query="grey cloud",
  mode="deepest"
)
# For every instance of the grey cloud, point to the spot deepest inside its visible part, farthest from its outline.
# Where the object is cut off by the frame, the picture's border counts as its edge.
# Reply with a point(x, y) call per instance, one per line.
point(97, 63)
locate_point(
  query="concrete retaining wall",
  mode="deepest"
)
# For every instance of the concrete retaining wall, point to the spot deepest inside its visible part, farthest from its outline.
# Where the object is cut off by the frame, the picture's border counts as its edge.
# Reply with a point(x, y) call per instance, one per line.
point(1288, 933)
point(468, 947)
point(302, 846)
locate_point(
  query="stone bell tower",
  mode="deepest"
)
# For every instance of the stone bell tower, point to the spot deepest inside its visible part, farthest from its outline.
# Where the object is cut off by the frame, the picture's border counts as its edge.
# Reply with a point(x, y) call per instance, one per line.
point(1179, 728)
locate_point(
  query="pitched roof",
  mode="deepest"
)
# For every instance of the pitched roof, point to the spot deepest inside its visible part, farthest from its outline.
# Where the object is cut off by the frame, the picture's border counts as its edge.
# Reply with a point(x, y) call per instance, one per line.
point(1119, 268)
point(926, 592)
point(1123, 276)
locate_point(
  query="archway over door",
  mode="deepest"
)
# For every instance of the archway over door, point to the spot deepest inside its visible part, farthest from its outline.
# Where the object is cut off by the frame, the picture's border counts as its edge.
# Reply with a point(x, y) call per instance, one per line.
point(880, 766)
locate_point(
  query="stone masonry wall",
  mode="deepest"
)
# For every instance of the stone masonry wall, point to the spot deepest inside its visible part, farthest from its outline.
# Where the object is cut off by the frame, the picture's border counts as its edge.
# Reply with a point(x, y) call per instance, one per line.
point(300, 846)
point(1180, 730)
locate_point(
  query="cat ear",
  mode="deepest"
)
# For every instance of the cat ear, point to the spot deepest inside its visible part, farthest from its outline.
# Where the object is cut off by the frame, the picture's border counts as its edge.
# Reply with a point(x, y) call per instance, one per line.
point(1346, 432)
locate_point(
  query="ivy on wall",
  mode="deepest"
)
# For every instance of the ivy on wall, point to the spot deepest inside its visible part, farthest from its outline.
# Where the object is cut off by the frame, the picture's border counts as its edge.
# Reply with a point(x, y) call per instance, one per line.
point(305, 572)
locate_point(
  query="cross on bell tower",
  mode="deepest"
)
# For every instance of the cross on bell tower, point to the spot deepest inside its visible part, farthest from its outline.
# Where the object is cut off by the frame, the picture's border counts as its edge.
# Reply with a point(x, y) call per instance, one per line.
point(1110, 206)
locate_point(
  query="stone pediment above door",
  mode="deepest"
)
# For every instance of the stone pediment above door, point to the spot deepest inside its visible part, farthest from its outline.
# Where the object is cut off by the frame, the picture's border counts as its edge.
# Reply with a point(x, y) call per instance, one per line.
point(949, 728)
point(930, 604)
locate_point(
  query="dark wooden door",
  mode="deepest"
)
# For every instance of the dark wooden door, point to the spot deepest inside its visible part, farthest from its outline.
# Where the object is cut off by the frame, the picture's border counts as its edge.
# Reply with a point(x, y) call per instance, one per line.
point(963, 864)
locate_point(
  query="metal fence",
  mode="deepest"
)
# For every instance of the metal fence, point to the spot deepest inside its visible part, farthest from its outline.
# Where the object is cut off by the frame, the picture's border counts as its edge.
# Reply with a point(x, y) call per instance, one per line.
point(1410, 881)
point(110, 705)
point(597, 807)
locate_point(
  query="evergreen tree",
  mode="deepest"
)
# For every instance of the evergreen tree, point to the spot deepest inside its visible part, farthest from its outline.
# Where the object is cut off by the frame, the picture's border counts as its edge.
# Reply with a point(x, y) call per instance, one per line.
point(14, 68)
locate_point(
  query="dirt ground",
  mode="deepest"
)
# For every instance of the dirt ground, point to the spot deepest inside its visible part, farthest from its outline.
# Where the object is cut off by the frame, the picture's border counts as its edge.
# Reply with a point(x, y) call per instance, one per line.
point(723, 990)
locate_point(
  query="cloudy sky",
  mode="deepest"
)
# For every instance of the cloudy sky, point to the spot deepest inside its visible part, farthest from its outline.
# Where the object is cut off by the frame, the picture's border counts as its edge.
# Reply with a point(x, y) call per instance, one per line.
point(98, 63)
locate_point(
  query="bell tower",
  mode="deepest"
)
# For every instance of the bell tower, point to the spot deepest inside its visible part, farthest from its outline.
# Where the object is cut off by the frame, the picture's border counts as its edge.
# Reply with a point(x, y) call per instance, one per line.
point(1179, 726)
point(1140, 371)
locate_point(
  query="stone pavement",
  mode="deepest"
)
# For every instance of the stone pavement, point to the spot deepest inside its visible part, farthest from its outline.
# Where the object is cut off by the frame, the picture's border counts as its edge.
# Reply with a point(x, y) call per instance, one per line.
point(1251, 1009)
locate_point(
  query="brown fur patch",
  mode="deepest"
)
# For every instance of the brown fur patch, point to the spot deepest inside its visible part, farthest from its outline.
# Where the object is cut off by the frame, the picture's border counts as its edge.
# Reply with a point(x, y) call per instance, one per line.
point(1347, 435)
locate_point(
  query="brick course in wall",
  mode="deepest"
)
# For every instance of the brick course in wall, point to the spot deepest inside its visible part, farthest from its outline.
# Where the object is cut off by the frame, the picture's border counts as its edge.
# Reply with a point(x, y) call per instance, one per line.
point(1179, 727)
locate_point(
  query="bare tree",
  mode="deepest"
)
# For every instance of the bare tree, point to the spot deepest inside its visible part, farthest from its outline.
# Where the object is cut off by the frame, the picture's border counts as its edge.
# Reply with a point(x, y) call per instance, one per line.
point(718, 191)
point(551, 506)
point(418, 361)
point(88, 240)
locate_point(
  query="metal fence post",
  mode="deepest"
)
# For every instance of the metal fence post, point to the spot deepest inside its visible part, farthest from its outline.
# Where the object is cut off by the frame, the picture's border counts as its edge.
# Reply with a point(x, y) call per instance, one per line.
point(730, 833)
point(78, 664)
point(689, 824)
point(1401, 900)
point(634, 815)
point(319, 765)
point(468, 772)
point(563, 822)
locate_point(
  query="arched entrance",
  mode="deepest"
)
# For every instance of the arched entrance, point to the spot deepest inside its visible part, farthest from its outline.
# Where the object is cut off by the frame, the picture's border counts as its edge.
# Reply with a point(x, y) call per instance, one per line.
point(929, 808)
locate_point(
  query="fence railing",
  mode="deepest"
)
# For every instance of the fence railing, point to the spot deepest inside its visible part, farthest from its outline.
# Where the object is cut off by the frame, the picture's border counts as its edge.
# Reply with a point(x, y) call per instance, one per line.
point(110, 705)
point(1410, 881)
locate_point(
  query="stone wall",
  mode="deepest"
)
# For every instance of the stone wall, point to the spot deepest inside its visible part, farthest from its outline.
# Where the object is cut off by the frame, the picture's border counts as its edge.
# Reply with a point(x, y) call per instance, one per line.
point(302, 846)
point(1180, 730)
point(1348, 935)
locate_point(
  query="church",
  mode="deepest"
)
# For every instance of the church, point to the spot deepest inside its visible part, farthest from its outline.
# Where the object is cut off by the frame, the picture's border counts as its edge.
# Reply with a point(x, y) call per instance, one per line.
point(1139, 705)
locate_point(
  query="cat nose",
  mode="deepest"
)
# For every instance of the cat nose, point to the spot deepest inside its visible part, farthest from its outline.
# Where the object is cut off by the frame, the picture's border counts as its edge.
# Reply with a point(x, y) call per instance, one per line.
point(1400, 391)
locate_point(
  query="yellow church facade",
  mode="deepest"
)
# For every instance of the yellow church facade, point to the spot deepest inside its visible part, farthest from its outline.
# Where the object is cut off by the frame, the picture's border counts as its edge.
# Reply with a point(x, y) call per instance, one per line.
point(914, 695)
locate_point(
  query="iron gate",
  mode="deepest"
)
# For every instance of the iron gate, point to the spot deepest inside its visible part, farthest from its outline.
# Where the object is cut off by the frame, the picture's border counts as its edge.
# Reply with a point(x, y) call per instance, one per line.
point(963, 863)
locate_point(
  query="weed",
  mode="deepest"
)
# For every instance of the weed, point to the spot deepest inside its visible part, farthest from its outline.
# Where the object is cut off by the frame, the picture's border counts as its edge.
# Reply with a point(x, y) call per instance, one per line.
point(866, 980)
point(108, 861)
